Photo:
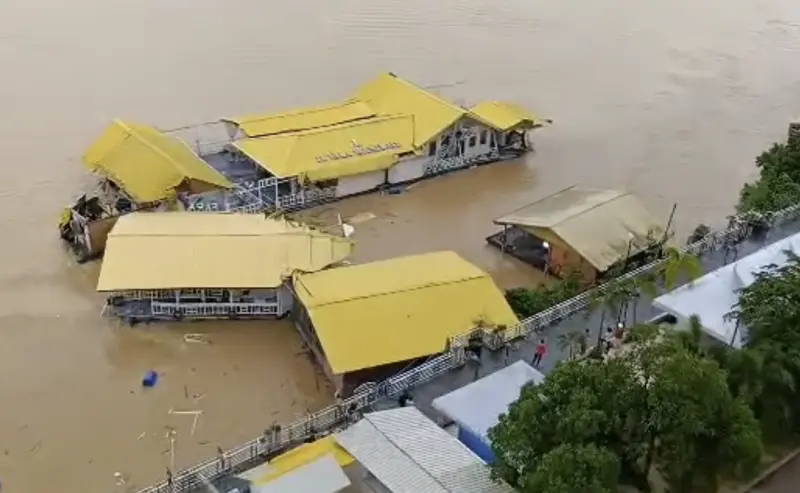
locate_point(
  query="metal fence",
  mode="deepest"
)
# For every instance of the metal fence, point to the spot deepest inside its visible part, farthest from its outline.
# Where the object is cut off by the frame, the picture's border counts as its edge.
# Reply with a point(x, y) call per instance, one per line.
point(278, 439)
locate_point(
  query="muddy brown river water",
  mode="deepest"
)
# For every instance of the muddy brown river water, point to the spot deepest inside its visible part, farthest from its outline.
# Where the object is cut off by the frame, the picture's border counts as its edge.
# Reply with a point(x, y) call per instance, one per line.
point(668, 98)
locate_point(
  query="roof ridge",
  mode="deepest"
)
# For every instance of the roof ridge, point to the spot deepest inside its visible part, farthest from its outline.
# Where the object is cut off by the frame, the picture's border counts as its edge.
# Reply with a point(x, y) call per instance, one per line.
point(397, 291)
point(428, 93)
point(595, 206)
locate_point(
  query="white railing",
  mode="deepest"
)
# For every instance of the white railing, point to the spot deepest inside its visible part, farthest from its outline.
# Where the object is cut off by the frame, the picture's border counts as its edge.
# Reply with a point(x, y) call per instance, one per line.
point(215, 310)
point(249, 454)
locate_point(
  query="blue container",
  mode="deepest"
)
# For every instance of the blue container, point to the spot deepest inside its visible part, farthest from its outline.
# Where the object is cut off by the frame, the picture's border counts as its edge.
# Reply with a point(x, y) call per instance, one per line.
point(150, 379)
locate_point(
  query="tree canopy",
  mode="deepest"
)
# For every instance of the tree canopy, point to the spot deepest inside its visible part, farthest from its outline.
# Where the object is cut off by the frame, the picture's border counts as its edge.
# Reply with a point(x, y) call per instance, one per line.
point(657, 404)
point(778, 184)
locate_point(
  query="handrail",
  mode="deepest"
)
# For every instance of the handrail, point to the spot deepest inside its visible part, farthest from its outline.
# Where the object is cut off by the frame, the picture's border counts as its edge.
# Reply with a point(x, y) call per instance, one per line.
point(249, 454)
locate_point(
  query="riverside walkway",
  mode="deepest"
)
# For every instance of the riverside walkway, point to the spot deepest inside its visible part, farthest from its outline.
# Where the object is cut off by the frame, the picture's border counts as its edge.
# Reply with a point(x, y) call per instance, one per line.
point(492, 361)
point(451, 370)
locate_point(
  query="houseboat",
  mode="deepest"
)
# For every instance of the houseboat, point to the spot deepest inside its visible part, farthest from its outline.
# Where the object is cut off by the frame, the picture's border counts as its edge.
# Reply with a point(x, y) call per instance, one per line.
point(389, 132)
point(365, 323)
point(179, 265)
point(589, 231)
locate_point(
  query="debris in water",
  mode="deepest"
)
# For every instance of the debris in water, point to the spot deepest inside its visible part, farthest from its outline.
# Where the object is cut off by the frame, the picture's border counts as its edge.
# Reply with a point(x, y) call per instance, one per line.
point(199, 338)
point(396, 190)
point(141, 436)
point(150, 379)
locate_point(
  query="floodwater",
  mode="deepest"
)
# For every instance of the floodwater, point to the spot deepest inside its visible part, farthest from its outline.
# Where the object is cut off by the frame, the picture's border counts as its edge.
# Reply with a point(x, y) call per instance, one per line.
point(668, 98)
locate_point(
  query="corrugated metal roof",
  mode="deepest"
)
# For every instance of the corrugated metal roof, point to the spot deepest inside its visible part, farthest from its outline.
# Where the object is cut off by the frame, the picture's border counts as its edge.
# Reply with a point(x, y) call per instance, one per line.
point(334, 151)
point(599, 224)
point(302, 119)
point(407, 452)
point(479, 404)
point(392, 95)
point(400, 309)
point(713, 295)
point(147, 164)
point(172, 250)
point(505, 116)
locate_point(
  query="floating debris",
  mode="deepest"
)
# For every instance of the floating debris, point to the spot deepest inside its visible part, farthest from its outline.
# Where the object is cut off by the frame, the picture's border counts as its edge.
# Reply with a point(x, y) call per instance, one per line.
point(199, 338)
point(150, 379)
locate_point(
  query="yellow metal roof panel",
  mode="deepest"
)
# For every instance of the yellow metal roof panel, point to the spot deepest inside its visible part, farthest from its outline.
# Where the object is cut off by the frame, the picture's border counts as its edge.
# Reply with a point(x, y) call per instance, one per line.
point(302, 119)
point(599, 224)
point(147, 164)
point(395, 310)
point(334, 151)
point(305, 454)
point(389, 94)
point(173, 250)
point(505, 116)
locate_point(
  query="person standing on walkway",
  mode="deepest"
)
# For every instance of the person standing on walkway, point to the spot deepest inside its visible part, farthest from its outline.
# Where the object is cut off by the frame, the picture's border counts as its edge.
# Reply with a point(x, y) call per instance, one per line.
point(541, 350)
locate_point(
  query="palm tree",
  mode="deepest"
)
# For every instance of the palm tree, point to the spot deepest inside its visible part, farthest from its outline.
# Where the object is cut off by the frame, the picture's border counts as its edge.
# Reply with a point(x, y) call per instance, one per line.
point(678, 265)
point(570, 341)
point(611, 297)
point(634, 288)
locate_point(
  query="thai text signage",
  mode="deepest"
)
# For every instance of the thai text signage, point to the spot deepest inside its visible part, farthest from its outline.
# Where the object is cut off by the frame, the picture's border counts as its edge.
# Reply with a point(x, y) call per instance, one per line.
point(358, 150)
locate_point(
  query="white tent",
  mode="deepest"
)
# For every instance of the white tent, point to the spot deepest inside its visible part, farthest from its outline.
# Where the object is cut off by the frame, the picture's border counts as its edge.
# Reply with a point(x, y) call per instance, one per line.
point(715, 294)
point(479, 404)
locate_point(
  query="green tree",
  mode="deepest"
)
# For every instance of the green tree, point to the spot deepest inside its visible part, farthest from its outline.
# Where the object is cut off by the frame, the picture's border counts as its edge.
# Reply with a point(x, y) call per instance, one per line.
point(778, 184)
point(571, 342)
point(526, 302)
point(697, 429)
point(655, 405)
point(678, 265)
point(572, 468)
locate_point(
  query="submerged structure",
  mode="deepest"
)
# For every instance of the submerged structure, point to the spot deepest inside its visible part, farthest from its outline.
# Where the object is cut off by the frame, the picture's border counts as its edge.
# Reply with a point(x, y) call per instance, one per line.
point(177, 265)
point(580, 229)
point(367, 322)
point(391, 131)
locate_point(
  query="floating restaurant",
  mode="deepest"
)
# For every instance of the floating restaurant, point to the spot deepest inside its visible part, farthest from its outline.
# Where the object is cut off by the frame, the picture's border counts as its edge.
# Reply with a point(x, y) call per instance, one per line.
point(389, 132)
point(367, 322)
point(176, 265)
point(579, 229)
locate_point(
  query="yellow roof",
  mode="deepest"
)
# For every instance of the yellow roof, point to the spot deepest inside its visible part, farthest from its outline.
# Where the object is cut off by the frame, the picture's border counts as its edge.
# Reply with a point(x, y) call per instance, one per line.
point(389, 94)
point(305, 454)
point(395, 310)
point(302, 119)
point(334, 151)
point(147, 164)
point(171, 250)
point(505, 116)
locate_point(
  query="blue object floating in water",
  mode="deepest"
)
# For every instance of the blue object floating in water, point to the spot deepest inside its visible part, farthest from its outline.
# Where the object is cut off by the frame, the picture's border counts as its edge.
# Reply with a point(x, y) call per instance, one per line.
point(150, 379)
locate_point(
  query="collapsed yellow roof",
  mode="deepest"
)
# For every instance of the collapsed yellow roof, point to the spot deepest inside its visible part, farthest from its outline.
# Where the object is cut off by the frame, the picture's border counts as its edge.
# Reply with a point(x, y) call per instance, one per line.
point(302, 119)
point(395, 310)
point(147, 164)
point(172, 250)
point(334, 151)
point(505, 116)
point(389, 95)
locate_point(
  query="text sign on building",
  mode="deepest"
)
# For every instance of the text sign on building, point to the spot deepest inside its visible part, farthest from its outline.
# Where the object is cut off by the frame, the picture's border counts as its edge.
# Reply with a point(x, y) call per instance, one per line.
point(358, 150)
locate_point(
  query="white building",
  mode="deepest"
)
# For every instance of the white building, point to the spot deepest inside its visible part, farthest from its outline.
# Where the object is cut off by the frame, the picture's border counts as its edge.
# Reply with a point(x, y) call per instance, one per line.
point(714, 295)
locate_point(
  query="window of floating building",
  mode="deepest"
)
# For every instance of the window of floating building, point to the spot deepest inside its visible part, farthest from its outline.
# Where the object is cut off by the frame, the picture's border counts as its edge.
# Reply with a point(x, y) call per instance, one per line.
point(432, 150)
point(446, 142)
point(472, 141)
point(484, 135)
